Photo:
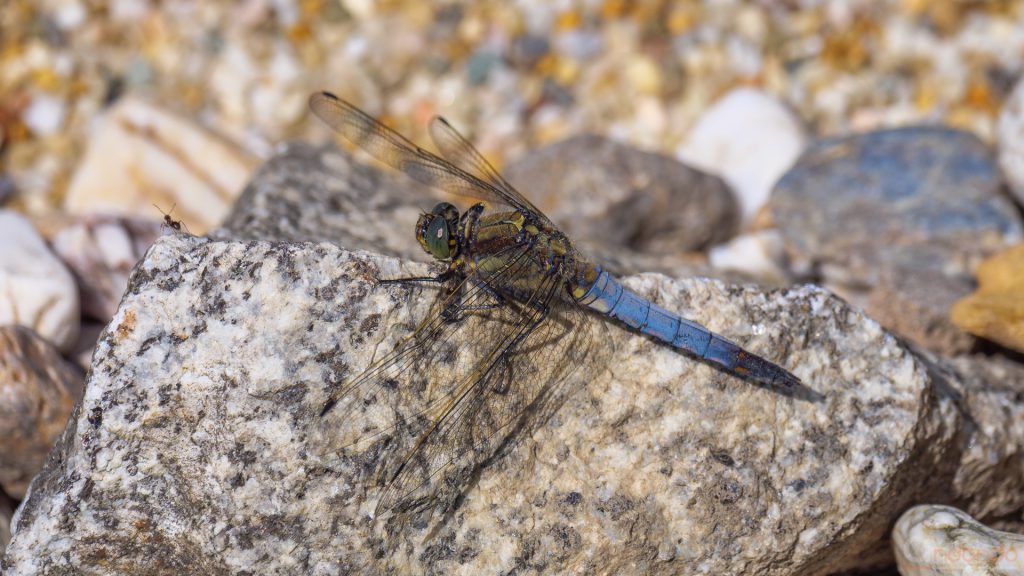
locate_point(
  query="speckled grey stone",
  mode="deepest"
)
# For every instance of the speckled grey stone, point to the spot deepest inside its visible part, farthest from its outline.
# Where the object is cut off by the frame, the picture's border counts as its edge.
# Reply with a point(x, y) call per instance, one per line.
point(880, 216)
point(609, 194)
point(991, 390)
point(192, 451)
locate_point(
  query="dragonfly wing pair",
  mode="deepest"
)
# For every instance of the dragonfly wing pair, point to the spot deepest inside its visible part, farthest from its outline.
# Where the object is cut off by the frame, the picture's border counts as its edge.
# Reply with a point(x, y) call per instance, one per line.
point(443, 400)
point(422, 418)
point(464, 171)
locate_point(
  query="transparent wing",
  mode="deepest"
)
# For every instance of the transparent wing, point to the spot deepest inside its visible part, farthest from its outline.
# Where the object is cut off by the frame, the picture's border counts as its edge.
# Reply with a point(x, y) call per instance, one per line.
point(422, 419)
point(530, 364)
point(461, 153)
point(396, 151)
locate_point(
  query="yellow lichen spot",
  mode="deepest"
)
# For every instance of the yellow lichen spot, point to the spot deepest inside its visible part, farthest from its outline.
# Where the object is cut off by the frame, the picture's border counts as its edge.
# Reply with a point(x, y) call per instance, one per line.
point(979, 96)
point(681, 19)
point(566, 71)
point(46, 79)
point(126, 327)
point(568, 20)
point(300, 32)
point(611, 9)
point(925, 97)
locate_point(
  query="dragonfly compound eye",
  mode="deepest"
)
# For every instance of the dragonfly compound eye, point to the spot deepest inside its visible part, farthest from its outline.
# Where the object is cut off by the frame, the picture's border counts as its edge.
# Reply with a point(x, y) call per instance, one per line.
point(436, 231)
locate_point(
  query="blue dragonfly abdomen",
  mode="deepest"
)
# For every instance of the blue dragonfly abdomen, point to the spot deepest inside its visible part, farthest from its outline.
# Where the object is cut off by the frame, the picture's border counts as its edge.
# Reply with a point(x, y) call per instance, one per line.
point(609, 297)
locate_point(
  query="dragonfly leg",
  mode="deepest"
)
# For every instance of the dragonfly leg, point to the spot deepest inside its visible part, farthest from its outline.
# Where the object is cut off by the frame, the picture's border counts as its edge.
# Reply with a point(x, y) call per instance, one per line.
point(504, 383)
point(499, 300)
point(439, 279)
point(454, 311)
point(470, 217)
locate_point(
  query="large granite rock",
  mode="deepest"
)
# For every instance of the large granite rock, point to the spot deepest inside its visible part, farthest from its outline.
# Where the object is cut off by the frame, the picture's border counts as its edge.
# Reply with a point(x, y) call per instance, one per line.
point(192, 451)
point(197, 447)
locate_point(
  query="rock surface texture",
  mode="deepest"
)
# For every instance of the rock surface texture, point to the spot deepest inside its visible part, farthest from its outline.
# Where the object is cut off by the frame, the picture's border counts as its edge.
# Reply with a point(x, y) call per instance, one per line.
point(944, 541)
point(192, 453)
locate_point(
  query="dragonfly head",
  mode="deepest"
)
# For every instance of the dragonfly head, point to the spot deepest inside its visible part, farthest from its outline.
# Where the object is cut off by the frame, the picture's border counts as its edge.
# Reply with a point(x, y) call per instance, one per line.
point(437, 231)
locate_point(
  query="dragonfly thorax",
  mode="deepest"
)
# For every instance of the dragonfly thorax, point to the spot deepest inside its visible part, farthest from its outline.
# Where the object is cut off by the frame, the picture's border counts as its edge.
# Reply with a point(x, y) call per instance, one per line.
point(436, 231)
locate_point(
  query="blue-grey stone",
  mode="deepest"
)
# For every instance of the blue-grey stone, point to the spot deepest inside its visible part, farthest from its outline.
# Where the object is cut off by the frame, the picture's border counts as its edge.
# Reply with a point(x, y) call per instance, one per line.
point(907, 204)
point(848, 202)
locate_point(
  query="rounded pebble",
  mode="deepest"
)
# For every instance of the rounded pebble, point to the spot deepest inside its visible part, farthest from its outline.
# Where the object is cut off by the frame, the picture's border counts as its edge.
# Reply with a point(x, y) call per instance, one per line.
point(45, 116)
point(760, 254)
point(38, 389)
point(101, 250)
point(1010, 134)
point(943, 541)
point(748, 138)
point(36, 289)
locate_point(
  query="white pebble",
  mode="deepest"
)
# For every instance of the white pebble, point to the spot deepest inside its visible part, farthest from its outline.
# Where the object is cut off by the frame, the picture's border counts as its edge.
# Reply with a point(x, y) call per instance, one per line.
point(45, 115)
point(760, 254)
point(36, 290)
point(70, 15)
point(749, 139)
point(1010, 134)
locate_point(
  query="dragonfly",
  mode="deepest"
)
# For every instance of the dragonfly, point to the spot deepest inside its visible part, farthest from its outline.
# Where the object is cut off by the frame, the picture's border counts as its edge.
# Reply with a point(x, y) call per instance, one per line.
point(505, 332)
